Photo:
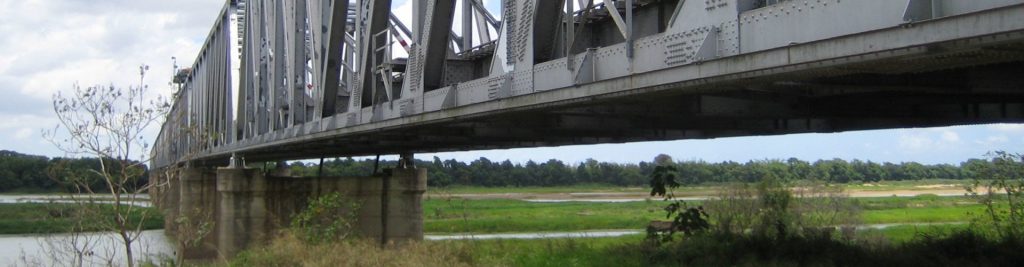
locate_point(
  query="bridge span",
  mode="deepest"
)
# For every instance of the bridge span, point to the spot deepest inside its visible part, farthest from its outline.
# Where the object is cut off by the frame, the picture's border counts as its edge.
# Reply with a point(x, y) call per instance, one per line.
point(281, 80)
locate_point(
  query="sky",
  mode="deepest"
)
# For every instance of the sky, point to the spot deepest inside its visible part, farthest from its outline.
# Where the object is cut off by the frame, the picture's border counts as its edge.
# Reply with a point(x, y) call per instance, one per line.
point(47, 46)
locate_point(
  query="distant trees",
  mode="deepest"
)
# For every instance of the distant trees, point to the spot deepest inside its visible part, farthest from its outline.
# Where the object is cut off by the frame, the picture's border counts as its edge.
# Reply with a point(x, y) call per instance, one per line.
point(20, 172)
point(31, 173)
point(484, 172)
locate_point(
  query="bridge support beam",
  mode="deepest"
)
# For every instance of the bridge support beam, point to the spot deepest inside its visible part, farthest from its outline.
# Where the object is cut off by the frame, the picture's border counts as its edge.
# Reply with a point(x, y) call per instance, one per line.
point(246, 206)
point(197, 205)
point(242, 216)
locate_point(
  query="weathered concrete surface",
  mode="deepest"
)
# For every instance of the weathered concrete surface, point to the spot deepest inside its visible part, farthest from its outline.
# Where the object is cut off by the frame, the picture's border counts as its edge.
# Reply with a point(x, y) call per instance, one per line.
point(164, 193)
point(242, 217)
point(197, 199)
point(247, 205)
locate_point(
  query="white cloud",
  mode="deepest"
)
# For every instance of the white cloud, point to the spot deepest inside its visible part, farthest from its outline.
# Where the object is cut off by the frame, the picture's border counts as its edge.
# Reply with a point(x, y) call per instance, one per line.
point(994, 140)
point(920, 141)
point(1012, 128)
point(23, 133)
point(950, 136)
point(51, 45)
point(915, 141)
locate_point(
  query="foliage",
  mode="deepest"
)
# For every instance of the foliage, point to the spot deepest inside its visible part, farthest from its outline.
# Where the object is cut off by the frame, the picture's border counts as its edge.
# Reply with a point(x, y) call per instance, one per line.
point(30, 173)
point(487, 173)
point(1002, 192)
point(109, 124)
point(689, 220)
point(819, 204)
point(940, 248)
point(192, 227)
point(663, 180)
point(327, 218)
point(774, 201)
point(24, 172)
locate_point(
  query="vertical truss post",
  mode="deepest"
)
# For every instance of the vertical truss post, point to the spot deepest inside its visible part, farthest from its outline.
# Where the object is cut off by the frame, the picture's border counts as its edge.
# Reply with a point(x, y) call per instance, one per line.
point(372, 20)
point(480, 13)
point(279, 76)
point(467, 25)
point(331, 59)
point(629, 31)
point(262, 88)
point(570, 31)
point(295, 21)
point(245, 77)
point(435, 43)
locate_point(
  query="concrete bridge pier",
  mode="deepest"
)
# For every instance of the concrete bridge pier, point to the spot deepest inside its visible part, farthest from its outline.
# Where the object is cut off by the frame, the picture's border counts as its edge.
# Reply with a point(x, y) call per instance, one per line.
point(246, 206)
point(197, 206)
point(400, 212)
point(242, 216)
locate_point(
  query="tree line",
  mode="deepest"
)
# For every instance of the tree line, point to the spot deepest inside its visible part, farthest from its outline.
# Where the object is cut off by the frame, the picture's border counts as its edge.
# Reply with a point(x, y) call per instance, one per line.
point(30, 173)
point(40, 174)
point(488, 173)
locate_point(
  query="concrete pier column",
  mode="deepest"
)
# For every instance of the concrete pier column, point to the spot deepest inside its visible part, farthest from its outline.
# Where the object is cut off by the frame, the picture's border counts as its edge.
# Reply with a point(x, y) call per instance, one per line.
point(164, 194)
point(198, 203)
point(391, 205)
point(404, 207)
point(243, 209)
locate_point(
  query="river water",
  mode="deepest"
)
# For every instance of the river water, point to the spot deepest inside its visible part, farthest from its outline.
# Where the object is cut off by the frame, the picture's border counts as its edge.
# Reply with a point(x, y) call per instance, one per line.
point(56, 249)
point(141, 200)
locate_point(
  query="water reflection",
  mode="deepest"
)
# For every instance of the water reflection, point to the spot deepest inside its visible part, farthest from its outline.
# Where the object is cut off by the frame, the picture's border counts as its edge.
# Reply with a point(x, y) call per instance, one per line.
point(56, 249)
point(140, 200)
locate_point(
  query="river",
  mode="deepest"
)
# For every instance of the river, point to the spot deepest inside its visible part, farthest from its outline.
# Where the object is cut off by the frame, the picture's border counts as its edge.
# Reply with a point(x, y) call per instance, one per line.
point(55, 249)
point(141, 200)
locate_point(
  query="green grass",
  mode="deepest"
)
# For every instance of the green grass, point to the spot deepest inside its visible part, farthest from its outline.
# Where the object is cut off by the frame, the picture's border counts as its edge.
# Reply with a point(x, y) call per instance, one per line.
point(895, 245)
point(495, 215)
point(29, 218)
point(703, 188)
point(586, 188)
point(942, 245)
point(580, 188)
point(904, 185)
point(606, 251)
point(500, 215)
point(907, 233)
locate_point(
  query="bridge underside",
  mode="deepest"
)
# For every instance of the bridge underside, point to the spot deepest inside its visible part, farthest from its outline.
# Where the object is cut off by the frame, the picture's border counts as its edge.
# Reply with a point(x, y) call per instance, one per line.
point(938, 85)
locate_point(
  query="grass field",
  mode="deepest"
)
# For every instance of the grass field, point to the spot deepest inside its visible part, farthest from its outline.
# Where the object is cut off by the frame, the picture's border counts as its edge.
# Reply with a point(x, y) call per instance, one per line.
point(30, 218)
point(928, 229)
point(611, 251)
point(535, 189)
point(503, 215)
point(594, 188)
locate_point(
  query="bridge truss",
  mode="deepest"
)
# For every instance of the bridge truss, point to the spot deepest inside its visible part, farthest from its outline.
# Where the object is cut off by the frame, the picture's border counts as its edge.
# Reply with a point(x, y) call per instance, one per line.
point(293, 79)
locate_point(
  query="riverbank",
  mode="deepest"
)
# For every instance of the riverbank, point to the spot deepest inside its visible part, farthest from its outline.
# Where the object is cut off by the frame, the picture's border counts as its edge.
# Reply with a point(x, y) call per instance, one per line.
point(943, 245)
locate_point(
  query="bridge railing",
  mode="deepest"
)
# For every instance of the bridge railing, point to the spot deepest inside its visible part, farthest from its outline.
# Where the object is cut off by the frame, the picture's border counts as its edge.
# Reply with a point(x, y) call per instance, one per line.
point(202, 114)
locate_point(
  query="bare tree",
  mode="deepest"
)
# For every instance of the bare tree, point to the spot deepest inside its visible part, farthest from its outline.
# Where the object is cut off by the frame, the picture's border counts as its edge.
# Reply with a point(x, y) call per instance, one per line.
point(110, 124)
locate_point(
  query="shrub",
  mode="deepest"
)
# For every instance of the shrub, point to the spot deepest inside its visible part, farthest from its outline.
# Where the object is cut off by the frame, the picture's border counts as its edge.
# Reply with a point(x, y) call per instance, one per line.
point(1002, 192)
point(327, 218)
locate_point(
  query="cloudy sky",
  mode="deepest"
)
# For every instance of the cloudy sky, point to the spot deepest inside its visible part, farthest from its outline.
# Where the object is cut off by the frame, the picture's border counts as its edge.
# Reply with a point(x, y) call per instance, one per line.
point(47, 46)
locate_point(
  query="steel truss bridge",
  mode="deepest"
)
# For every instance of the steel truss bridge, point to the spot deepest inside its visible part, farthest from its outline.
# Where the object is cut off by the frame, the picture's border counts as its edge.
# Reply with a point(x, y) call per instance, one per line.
point(295, 79)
